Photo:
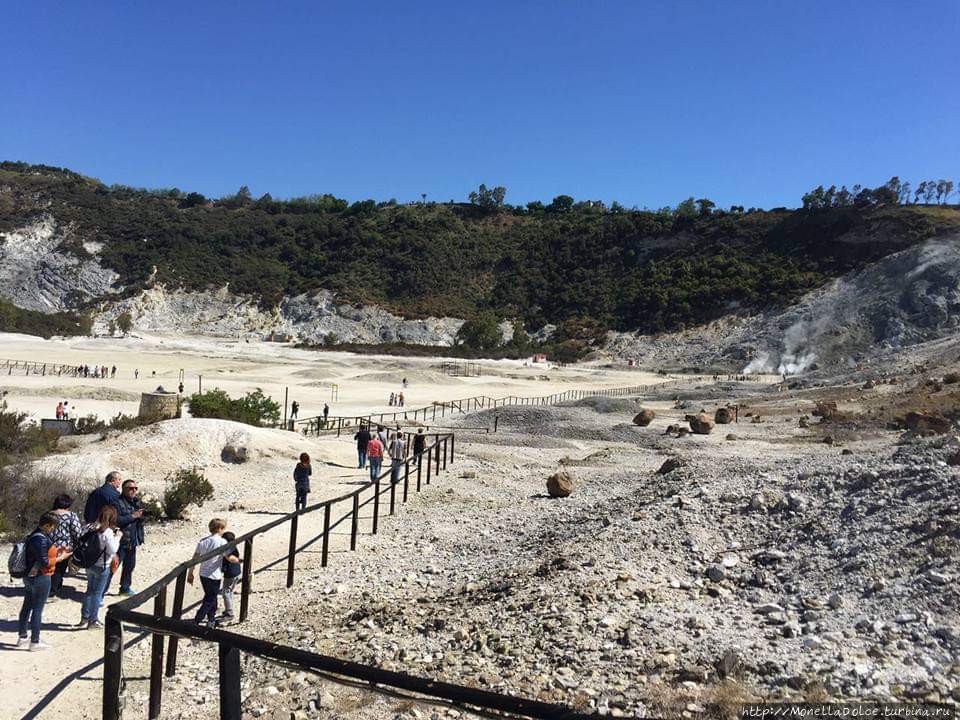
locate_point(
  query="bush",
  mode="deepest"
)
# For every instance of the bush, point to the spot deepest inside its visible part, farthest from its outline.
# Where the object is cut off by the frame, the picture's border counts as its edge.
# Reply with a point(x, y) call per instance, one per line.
point(152, 506)
point(253, 408)
point(18, 437)
point(185, 487)
point(26, 492)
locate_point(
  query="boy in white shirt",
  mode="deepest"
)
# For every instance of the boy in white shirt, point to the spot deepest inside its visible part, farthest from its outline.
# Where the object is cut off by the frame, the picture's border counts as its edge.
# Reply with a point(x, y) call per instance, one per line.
point(211, 572)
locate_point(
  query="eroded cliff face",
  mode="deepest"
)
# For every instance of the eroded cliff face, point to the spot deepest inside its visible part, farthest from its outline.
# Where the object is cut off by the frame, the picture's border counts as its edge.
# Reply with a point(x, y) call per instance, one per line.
point(303, 317)
point(904, 299)
point(36, 274)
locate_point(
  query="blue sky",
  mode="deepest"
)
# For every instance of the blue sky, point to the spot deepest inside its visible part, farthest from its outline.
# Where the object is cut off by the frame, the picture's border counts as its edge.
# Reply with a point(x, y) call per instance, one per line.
point(645, 103)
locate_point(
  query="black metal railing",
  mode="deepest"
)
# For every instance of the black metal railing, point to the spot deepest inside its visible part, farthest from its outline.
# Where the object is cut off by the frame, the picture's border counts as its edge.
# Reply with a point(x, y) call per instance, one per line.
point(30, 367)
point(417, 470)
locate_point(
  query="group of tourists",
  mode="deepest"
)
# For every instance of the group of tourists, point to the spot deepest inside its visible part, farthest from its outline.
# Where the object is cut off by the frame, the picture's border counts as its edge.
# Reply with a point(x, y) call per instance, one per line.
point(105, 542)
point(371, 448)
point(97, 371)
point(396, 399)
point(63, 410)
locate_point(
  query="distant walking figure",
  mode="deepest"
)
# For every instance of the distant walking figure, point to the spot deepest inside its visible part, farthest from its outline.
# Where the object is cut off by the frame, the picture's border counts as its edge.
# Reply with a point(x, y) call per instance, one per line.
point(419, 443)
point(398, 449)
point(60, 411)
point(392, 399)
point(301, 480)
point(136, 374)
point(375, 456)
point(400, 400)
point(404, 383)
point(294, 410)
point(363, 438)
point(326, 413)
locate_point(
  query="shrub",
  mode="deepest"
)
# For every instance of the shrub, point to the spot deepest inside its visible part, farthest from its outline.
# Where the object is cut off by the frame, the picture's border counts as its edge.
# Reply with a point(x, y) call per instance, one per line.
point(19, 437)
point(152, 506)
point(185, 487)
point(26, 492)
point(253, 408)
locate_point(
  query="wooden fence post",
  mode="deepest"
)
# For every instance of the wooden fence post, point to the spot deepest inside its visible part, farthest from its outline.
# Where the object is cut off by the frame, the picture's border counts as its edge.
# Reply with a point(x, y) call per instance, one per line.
point(112, 667)
point(176, 613)
point(356, 520)
point(292, 554)
point(326, 535)
point(246, 579)
point(229, 658)
point(156, 657)
point(376, 504)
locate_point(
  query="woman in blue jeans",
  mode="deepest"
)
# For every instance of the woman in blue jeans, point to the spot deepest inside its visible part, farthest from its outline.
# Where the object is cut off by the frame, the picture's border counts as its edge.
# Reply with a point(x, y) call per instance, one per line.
point(98, 575)
point(42, 559)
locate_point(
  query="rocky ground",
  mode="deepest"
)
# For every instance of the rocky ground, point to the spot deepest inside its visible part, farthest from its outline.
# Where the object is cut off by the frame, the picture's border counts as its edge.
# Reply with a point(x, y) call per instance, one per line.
point(782, 556)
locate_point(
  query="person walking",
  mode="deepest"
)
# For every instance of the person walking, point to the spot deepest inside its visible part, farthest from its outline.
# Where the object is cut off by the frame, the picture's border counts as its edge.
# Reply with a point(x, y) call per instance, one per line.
point(103, 537)
point(363, 439)
point(59, 411)
point(398, 450)
point(301, 481)
point(392, 398)
point(375, 456)
point(382, 436)
point(419, 443)
point(326, 414)
point(64, 537)
point(42, 559)
point(294, 410)
point(136, 373)
point(106, 494)
point(130, 522)
point(211, 572)
point(400, 399)
point(231, 569)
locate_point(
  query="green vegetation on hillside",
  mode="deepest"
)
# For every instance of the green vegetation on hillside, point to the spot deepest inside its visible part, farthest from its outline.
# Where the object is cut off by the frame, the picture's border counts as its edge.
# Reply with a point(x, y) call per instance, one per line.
point(561, 262)
point(31, 322)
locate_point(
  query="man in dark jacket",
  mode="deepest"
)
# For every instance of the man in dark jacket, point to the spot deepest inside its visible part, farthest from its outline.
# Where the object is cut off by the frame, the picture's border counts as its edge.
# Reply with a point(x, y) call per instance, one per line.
point(130, 521)
point(419, 443)
point(106, 494)
point(362, 438)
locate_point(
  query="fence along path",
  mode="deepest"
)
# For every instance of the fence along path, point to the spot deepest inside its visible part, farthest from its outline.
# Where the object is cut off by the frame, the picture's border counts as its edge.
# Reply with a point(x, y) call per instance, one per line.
point(29, 367)
point(380, 495)
point(317, 425)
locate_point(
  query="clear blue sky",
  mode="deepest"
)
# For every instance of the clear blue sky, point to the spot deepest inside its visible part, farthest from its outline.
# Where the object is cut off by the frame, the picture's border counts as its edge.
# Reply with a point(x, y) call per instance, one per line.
point(644, 102)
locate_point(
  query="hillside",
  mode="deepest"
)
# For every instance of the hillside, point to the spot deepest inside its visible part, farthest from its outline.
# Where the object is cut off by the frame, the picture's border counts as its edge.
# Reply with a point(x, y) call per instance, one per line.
point(374, 272)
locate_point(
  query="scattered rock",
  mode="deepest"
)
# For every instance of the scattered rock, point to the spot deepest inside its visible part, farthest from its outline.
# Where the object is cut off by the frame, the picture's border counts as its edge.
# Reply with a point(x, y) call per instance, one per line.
point(826, 409)
point(559, 485)
point(233, 454)
point(700, 424)
point(928, 423)
point(669, 465)
point(644, 417)
point(723, 416)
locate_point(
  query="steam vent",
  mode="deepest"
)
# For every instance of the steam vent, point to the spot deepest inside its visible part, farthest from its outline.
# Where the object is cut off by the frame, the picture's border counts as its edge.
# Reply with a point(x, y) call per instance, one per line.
point(159, 404)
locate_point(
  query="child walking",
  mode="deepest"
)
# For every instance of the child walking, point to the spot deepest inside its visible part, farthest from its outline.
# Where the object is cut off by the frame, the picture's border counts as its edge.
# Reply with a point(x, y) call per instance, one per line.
point(231, 574)
point(301, 480)
point(211, 572)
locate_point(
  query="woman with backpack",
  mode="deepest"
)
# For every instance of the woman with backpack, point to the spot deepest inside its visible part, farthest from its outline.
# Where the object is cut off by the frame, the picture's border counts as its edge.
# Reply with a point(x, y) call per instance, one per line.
point(99, 544)
point(66, 536)
point(42, 557)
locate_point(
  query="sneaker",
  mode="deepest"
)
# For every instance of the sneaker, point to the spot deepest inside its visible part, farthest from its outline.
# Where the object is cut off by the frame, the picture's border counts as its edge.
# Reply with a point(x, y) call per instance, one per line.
point(23, 641)
point(94, 625)
point(83, 623)
point(52, 599)
point(128, 592)
point(39, 646)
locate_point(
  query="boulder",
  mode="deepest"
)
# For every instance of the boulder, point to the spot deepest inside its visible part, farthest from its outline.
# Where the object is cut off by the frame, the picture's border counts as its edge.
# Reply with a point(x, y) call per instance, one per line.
point(826, 409)
point(644, 417)
point(559, 485)
point(233, 454)
point(950, 378)
point(723, 416)
point(701, 424)
point(669, 465)
point(928, 423)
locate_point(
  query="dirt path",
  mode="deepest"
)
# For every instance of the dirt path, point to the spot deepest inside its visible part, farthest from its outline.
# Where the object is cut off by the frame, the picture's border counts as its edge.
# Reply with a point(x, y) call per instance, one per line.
point(66, 680)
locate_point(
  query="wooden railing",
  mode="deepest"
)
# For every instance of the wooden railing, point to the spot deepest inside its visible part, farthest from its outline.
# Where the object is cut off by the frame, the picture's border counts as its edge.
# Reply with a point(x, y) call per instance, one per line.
point(319, 425)
point(30, 367)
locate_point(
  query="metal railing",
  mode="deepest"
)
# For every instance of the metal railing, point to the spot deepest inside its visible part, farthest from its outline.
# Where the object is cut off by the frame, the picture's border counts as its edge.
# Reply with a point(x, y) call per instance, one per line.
point(29, 367)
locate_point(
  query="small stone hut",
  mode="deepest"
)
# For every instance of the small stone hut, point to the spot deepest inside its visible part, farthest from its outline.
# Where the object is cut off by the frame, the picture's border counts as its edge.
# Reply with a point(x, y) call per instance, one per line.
point(159, 404)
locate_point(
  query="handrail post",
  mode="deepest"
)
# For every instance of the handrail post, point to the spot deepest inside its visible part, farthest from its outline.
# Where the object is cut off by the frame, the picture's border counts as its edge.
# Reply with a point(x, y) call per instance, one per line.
point(437, 469)
point(112, 667)
point(355, 522)
point(444, 453)
point(393, 490)
point(406, 478)
point(229, 658)
point(452, 438)
point(326, 535)
point(376, 505)
point(247, 578)
point(291, 555)
point(429, 455)
point(156, 657)
point(176, 613)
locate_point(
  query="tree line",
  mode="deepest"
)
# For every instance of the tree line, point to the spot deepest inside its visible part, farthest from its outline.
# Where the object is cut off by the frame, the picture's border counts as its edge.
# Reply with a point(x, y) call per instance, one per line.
point(891, 192)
